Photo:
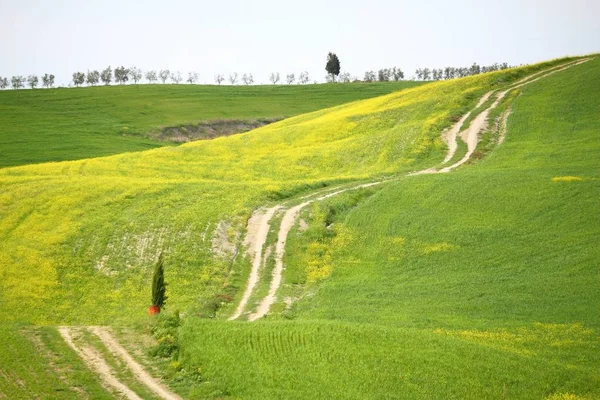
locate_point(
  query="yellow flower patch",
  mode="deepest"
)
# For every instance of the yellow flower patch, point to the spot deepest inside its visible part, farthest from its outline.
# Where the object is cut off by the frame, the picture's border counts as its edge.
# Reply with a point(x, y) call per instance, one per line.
point(566, 179)
point(520, 341)
point(398, 240)
point(564, 396)
point(439, 247)
point(319, 264)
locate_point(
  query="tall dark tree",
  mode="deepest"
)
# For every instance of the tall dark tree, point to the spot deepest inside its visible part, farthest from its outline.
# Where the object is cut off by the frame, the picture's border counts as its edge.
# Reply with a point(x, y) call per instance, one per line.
point(159, 287)
point(333, 66)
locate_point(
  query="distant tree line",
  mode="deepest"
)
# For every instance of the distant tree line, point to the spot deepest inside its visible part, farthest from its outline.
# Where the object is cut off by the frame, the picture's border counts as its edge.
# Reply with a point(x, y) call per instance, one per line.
point(384, 75)
point(122, 75)
point(437, 74)
point(274, 78)
point(18, 81)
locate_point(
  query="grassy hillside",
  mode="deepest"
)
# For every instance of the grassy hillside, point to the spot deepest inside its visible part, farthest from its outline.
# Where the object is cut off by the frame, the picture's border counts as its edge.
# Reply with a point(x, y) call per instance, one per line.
point(35, 363)
point(482, 283)
point(67, 124)
point(79, 238)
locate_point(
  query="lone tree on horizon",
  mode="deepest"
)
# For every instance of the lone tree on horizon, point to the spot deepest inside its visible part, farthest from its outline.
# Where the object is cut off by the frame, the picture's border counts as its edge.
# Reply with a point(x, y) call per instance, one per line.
point(333, 65)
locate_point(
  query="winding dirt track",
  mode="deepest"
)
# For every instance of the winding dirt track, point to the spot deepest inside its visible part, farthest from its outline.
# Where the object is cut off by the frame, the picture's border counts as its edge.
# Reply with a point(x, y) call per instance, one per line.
point(256, 236)
point(470, 136)
point(288, 221)
point(96, 362)
point(140, 373)
point(478, 124)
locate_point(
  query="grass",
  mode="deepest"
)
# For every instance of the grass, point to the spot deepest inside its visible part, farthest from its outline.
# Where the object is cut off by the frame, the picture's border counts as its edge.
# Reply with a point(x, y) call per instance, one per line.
point(81, 237)
point(420, 289)
point(481, 283)
point(37, 363)
point(67, 124)
point(340, 360)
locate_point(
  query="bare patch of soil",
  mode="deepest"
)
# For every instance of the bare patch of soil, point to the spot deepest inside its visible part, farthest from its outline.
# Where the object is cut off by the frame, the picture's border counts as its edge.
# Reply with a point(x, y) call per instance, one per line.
point(225, 239)
point(207, 130)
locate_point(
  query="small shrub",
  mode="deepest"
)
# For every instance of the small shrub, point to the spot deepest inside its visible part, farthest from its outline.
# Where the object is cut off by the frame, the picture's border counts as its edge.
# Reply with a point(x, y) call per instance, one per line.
point(166, 333)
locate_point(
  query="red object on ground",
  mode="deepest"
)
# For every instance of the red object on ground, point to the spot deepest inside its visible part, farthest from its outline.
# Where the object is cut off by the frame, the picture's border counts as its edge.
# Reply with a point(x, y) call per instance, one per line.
point(154, 310)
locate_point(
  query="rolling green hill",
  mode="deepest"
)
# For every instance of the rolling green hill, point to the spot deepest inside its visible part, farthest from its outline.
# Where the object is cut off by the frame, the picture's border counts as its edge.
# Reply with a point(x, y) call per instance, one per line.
point(480, 283)
point(80, 237)
point(67, 124)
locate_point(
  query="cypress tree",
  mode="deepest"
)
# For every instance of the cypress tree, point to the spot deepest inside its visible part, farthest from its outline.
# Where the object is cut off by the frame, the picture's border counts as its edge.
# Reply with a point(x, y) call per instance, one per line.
point(159, 287)
point(333, 66)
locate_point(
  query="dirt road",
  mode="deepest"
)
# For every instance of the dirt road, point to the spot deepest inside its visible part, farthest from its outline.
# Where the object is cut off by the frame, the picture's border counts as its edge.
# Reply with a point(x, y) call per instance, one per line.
point(97, 363)
point(258, 226)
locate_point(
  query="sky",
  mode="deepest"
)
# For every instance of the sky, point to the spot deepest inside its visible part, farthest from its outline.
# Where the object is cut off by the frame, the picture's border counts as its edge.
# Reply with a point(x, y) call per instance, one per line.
point(264, 36)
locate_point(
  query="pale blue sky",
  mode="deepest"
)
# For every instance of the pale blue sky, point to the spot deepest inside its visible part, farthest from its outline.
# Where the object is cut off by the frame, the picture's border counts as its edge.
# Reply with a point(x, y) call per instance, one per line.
point(262, 36)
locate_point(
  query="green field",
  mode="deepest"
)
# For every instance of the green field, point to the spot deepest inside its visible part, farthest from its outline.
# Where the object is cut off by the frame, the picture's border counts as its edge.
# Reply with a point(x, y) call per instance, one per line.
point(480, 283)
point(483, 283)
point(80, 237)
point(37, 364)
point(68, 124)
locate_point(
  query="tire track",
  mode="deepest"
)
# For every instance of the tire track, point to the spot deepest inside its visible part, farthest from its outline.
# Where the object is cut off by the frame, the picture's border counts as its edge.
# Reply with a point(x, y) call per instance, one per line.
point(469, 136)
point(256, 236)
point(97, 363)
point(138, 371)
point(288, 221)
point(94, 360)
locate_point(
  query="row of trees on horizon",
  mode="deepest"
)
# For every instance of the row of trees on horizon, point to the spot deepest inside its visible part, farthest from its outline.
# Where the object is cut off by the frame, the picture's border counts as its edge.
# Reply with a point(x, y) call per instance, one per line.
point(437, 74)
point(122, 75)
